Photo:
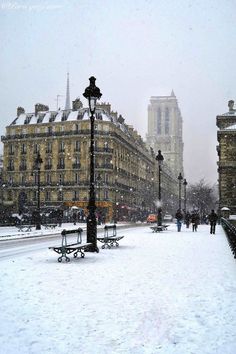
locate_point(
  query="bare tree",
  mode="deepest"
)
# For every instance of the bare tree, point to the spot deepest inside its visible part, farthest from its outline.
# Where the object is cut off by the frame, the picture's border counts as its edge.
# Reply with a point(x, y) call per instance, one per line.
point(203, 197)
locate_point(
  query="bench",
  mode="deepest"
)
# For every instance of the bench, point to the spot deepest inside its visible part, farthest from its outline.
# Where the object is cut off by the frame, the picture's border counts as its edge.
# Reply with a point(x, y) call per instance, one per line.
point(76, 247)
point(110, 237)
point(26, 228)
point(159, 228)
point(50, 226)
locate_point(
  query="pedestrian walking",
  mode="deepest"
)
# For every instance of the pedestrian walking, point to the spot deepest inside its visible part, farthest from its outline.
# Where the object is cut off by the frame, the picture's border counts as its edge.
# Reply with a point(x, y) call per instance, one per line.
point(212, 217)
point(179, 218)
point(187, 219)
point(195, 221)
point(74, 216)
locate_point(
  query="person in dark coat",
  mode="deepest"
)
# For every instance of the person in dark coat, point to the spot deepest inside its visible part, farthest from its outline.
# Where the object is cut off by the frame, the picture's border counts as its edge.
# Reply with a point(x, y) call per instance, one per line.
point(74, 216)
point(212, 217)
point(179, 218)
point(195, 220)
point(187, 219)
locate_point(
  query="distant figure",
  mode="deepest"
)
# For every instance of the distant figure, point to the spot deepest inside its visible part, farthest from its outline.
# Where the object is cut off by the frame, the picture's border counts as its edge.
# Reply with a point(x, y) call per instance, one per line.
point(179, 218)
point(212, 217)
point(60, 217)
point(74, 216)
point(187, 219)
point(195, 221)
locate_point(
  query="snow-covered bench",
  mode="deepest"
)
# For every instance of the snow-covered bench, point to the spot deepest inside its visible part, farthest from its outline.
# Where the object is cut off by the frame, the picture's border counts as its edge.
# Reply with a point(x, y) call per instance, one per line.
point(26, 228)
point(75, 247)
point(50, 226)
point(110, 237)
point(159, 228)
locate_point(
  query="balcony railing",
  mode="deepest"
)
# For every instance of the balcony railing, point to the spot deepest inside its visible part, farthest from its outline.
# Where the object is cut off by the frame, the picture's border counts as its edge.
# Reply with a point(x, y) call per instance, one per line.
point(44, 135)
point(103, 150)
point(76, 165)
point(48, 167)
point(107, 166)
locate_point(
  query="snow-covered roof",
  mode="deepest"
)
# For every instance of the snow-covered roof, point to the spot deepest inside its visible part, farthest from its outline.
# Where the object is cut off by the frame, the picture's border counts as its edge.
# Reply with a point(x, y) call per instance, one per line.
point(66, 115)
point(231, 127)
point(44, 117)
point(230, 113)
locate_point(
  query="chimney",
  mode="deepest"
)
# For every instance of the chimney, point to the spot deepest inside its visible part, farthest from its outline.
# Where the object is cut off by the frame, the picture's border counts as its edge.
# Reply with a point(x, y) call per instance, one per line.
point(39, 107)
point(105, 106)
point(231, 106)
point(121, 119)
point(114, 114)
point(20, 110)
point(77, 104)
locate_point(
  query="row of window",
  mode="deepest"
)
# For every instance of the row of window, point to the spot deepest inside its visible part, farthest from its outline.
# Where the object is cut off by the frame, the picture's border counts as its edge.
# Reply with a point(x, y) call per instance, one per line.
point(61, 147)
point(104, 163)
point(100, 179)
point(48, 195)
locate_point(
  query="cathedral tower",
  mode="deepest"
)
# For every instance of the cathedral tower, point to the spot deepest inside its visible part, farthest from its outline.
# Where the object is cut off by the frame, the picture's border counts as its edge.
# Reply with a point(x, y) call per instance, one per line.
point(165, 130)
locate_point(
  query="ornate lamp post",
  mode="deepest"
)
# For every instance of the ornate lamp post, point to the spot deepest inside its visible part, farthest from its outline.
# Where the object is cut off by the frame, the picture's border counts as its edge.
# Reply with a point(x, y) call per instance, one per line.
point(159, 159)
point(115, 208)
point(38, 162)
point(99, 180)
point(180, 178)
point(185, 194)
point(92, 93)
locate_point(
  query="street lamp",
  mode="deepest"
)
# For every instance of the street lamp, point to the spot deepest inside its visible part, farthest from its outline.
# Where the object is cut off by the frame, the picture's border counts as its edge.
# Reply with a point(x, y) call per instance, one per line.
point(38, 162)
point(99, 180)
point(185, 194)
point(180, 178)
point(115, 208)
point(159, 159)
point(92, 93)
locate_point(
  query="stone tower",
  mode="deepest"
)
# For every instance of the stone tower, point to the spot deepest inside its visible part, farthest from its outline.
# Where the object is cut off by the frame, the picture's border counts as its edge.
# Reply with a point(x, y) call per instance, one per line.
point(226, 149)
point(165, 130)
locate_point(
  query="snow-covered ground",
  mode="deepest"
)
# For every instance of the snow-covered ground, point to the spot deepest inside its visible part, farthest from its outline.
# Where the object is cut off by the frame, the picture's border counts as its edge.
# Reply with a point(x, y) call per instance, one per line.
point(163, 293)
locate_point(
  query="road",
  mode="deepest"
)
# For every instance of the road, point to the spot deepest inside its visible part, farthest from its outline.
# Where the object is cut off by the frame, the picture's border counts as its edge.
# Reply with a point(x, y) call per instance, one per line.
point(14, 247)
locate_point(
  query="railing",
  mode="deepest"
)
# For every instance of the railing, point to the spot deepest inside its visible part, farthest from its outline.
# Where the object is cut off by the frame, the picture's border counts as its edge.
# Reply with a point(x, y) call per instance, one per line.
point(103, 150)
point(42, 135)
point(48, 167)
point(76, 165)
point(230, 231)
point(107, 166)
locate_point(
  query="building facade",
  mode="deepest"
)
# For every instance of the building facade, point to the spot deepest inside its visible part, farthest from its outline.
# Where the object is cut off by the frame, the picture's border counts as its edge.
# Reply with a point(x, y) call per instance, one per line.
point(226, 137)
point(125, 169)
point(165, 130)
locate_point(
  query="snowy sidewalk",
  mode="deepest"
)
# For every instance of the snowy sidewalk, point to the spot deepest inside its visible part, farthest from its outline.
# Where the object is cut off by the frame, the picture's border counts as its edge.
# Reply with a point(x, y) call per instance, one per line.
point(163, 293)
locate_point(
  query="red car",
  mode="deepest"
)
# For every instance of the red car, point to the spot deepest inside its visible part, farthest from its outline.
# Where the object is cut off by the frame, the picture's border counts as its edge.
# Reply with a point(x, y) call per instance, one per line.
point(152, 218)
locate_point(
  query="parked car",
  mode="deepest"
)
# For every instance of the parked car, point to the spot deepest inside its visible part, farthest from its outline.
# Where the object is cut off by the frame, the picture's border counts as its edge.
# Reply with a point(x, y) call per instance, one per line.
point(167, 217)
point(152, 218)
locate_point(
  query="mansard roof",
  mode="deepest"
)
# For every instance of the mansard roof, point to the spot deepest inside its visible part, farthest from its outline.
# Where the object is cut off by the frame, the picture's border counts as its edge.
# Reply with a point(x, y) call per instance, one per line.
point(59, 116)
point(45, 117)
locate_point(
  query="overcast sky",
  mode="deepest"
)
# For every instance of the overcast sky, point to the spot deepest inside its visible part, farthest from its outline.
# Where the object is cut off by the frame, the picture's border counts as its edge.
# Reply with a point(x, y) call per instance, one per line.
point(136, 49)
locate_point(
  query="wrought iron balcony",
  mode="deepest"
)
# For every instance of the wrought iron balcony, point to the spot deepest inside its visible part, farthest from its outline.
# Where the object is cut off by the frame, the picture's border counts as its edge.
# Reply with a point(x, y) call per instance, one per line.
point(76, 165)
point(48, 167)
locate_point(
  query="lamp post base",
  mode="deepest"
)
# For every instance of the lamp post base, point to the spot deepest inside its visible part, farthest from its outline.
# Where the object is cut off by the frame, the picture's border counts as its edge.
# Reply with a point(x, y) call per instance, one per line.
point(92, 232)
point(159, 217)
